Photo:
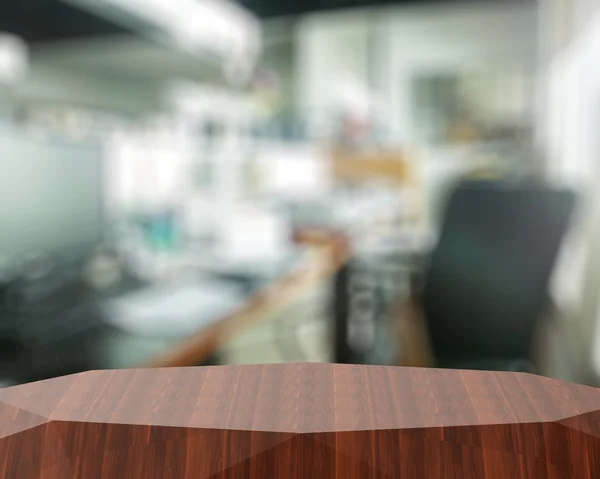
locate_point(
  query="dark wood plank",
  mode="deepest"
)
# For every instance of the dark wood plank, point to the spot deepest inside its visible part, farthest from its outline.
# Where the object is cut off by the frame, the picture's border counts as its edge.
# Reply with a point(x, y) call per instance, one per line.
point(299, 421)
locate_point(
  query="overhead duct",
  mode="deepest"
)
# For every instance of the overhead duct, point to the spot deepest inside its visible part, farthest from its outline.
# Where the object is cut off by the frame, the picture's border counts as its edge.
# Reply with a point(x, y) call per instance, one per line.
point(213, 29)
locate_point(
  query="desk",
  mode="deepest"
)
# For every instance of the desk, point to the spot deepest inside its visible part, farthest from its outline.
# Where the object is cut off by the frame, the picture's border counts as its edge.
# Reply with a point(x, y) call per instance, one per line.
point(110, 348)
point(300, 421)
point(328, 255)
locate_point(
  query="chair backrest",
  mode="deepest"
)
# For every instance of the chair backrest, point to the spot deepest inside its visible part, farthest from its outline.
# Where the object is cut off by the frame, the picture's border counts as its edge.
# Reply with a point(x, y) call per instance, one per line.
point(487, 281)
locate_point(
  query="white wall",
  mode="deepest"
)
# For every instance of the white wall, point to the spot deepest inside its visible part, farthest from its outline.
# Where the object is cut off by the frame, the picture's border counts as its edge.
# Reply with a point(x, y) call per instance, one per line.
point(337, 48)
point(460, 39)
point(332, 52)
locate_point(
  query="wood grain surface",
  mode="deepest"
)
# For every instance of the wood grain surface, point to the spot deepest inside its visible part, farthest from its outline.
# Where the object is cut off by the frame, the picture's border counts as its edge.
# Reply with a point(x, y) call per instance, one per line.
point(299, 421)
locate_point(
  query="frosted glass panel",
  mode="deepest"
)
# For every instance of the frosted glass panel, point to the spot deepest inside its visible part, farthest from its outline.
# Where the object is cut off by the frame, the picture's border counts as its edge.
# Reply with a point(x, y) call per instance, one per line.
point(50, 195)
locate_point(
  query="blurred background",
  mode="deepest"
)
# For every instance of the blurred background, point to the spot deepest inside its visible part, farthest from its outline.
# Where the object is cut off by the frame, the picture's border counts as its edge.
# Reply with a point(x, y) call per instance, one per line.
point(193, 182)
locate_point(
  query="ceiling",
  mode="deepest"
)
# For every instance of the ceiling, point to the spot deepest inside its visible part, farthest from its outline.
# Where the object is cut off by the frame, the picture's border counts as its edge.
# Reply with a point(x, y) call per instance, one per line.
point(277, 8)
point(51, 20)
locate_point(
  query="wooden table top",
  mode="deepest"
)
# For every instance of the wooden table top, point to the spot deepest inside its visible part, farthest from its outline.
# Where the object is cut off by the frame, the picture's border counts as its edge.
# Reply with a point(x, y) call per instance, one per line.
point(299, 421)
point(297, 398)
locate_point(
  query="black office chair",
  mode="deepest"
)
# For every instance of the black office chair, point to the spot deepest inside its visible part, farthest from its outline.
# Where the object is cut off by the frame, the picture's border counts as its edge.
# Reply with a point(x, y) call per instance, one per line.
point(486, 284)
